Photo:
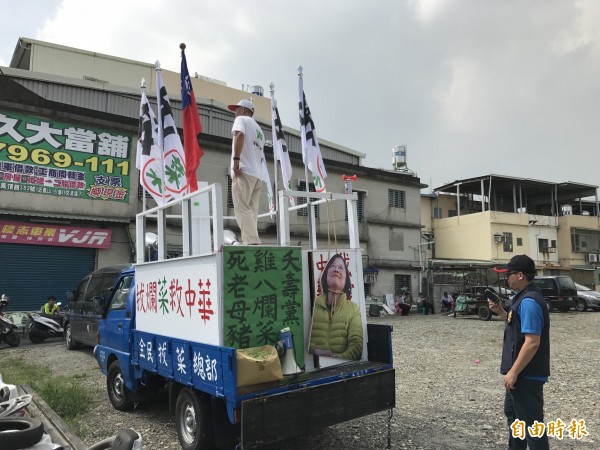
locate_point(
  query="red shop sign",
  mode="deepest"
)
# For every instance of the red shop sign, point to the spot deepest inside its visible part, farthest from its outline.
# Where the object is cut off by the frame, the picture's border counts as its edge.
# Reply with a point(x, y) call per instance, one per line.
point(60, 235)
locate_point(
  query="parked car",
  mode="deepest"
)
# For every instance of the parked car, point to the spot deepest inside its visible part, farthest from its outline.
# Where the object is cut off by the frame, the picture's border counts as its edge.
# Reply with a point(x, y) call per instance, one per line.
point(559, 291)
point(82, 312)
point(587, 298)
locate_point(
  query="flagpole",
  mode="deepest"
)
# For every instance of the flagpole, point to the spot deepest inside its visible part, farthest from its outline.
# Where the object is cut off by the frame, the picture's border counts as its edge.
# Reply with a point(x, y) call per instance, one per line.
point(274, 137)
point(143, 82)
point(311, 220)
point(161, 137)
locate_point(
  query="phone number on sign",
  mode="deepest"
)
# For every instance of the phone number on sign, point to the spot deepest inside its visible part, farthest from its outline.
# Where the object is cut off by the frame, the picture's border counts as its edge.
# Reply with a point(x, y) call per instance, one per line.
point(43, 157)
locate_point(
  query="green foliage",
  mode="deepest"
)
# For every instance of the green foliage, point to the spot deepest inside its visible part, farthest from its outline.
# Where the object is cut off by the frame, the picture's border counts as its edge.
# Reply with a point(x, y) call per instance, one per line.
point(64, 394)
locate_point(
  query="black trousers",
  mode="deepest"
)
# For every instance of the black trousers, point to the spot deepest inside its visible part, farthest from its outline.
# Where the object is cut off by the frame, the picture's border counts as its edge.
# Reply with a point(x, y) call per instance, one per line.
point(525, 403)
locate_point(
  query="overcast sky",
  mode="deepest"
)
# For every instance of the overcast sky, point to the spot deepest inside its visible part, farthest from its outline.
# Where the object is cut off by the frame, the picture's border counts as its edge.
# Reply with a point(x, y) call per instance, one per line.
point(471, 87)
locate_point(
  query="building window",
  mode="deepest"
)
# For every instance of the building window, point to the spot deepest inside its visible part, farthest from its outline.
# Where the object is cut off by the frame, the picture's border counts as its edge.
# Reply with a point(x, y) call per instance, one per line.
point(452, 213)
point(508, 242)
point(229, 193)
point(543, 245)
point(437, 213)
point(586, 241)
point(401, 284)
point(141, 191)
point(396, 240)
point(519, 242)
point(396, 199)
point(303, 212)
point(360, 206)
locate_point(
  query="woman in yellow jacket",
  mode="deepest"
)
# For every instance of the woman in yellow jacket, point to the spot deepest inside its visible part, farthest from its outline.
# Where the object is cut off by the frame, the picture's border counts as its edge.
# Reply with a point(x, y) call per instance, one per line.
point(336, 323)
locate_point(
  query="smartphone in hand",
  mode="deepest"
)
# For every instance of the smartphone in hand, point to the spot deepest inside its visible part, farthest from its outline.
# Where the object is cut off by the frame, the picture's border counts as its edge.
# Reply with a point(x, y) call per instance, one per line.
point(490, 294)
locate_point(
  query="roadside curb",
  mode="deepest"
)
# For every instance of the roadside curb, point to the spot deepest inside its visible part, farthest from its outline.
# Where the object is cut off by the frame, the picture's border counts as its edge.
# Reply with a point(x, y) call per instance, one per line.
point(58, 430)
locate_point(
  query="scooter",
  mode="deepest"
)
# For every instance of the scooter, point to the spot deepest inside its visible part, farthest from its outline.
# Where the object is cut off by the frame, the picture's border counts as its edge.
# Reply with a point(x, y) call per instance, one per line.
point(42, 327)
point(8, 329)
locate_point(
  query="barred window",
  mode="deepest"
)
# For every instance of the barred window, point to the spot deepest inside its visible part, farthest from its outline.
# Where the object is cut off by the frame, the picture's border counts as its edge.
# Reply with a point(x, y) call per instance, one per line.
point(303, 212)
point(360, 206)
point(396, 199)
point(141, 192)
point(401, 284)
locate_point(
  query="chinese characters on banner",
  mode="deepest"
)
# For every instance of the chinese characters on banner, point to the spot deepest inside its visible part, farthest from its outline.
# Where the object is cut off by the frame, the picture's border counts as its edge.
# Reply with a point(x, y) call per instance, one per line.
point(263, 294)
point(179, 299)
point(43, 156)
point(58, 235)
point(187, 362)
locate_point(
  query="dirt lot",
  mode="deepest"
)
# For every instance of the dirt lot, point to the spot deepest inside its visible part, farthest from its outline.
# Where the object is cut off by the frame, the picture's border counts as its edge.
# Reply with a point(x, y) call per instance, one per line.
point(449, 393)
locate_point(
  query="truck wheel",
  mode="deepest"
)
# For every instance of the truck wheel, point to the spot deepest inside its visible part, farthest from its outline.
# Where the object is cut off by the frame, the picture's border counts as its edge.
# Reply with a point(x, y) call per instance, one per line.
point(118, 394)
point(70, 343)
point(484, 312)
point(12, 339)
point(193, 418)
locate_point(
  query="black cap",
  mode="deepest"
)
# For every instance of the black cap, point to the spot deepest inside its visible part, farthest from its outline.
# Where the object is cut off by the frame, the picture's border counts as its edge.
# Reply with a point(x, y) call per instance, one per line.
point(518, 263)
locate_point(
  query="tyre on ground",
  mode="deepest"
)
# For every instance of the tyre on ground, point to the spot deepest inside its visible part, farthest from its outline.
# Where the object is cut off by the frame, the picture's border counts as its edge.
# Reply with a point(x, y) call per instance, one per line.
point(118, 394)
point(193, 420)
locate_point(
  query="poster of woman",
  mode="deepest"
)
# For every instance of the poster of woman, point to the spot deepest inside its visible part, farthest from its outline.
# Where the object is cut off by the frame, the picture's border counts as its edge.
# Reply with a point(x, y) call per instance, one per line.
point(337, 322)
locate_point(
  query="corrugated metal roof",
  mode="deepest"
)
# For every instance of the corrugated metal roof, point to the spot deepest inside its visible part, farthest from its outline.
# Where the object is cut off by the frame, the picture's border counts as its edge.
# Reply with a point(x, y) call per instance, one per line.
point(122, 101)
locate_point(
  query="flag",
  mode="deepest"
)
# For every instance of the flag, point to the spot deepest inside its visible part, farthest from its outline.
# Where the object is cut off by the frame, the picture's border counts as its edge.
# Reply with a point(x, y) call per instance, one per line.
point(170, 144)
point(311, 153)
point(280, 150)
point(148, 159)
point(191, 126)
point(267, 180)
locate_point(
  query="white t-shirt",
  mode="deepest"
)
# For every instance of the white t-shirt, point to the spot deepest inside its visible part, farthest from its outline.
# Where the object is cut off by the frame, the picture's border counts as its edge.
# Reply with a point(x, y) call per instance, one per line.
point(254, 143)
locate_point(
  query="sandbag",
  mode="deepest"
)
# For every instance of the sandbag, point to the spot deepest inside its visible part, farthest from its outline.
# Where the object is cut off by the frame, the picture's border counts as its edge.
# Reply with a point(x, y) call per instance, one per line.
point(257, 365)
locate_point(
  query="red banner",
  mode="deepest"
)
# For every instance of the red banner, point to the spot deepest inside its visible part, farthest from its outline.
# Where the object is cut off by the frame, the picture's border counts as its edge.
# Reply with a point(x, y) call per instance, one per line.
point(60, 235)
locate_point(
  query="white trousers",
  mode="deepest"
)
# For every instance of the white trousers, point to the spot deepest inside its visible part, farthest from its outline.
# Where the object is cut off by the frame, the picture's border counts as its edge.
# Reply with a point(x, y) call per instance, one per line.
point(245, 190)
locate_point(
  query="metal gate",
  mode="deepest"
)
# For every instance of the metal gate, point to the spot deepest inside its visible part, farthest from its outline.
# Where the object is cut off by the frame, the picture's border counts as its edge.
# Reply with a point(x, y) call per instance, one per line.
point(30, 273)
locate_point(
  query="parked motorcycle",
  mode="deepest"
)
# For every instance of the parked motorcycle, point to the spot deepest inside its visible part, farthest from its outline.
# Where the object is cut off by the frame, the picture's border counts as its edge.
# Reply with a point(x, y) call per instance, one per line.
point(42, 327)
point(8, 330)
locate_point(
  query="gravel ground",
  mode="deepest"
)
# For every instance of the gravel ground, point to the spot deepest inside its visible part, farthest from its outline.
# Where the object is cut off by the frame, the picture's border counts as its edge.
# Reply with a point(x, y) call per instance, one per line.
point(448, 396)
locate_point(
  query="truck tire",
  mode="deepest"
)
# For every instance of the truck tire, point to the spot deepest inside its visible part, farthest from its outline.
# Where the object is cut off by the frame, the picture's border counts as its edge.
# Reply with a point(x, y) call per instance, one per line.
point(484, 312)
point(70, 343)
point(193, 419)
point(118, 394)
point(20, 433)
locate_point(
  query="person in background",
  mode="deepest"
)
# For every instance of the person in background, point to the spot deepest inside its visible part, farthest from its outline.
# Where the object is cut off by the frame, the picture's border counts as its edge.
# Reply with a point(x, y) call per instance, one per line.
point(246, 181)
point(402, 308)
point(424, 303)
point(447, 302)
point(525, 362)
point(50, 308)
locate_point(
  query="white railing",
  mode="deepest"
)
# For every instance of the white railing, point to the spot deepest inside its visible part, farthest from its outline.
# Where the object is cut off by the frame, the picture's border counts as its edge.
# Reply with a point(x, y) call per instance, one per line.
point(201, 221)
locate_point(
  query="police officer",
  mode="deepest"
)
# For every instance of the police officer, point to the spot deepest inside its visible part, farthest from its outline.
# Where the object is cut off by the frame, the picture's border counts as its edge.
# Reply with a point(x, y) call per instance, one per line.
point(525, 354)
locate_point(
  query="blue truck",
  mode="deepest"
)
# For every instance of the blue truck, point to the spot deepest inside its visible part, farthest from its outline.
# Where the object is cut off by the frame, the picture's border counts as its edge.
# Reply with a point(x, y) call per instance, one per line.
point(181, 324)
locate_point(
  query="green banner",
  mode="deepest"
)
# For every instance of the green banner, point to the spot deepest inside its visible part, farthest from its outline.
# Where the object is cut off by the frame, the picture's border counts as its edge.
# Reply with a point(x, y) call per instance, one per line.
point(48, 157)
point(263, 294)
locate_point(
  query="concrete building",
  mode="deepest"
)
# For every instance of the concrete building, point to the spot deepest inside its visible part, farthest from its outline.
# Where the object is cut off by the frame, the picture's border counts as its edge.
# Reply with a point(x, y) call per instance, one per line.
point(481, 221)
point(69, 188)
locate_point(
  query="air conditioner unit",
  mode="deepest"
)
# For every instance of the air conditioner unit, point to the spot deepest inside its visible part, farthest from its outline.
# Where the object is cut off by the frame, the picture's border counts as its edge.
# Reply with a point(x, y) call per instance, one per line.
point(551, 249)
point(592, 257)
point(369, 278)
point(497, 238)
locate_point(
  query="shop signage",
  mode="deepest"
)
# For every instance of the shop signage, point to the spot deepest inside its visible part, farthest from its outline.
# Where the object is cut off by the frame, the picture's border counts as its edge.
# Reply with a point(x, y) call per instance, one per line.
point(48, 157)
point(59, 235)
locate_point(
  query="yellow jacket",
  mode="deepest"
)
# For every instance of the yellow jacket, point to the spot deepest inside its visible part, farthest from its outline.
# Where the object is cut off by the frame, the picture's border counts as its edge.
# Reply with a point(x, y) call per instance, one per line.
point(339, 331)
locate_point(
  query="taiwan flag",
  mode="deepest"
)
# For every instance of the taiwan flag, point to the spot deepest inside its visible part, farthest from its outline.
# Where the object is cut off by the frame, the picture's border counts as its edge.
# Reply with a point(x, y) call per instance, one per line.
point(191, 126)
